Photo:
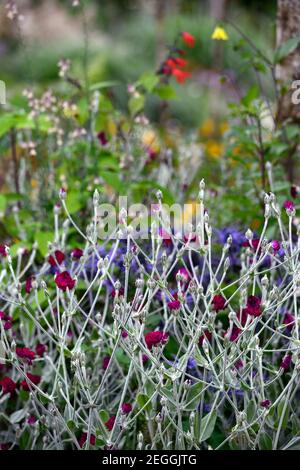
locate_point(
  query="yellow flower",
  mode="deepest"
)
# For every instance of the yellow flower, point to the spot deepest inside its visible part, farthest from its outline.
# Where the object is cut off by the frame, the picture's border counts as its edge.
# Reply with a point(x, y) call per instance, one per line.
point(214, 149)
point(150, 140)
point(207, 128)
point(220, 34)
point(224, 126)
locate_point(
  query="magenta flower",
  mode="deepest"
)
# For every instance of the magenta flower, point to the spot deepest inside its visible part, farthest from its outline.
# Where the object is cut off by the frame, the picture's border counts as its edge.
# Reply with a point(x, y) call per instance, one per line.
point(126, 408)
point(105, 362)
point(64, 281)
point(275, 245)
point(57, 258)
point(286, 362)
point(83, 438)
point(253, 306)
point(77, 253)
point(289, 205)
point(40, 349)
point(110, 423)
point(8, 385)
point(265, 404)
point(154, 338)
point(289, 321)
point(174, 304)
point(218, 302)
point(26, 354)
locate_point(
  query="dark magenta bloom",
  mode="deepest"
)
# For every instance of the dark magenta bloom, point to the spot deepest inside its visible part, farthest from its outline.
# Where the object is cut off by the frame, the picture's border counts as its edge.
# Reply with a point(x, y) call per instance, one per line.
point(105, 362)
point(33, 378)
point(8, 385)
point(275, 245)
point(126, 408)
point(77, 253)
point(253, 306)
point(289, 205)
point(154, 338)
point(31, 419)
point(83, 438)
point(294, 191)
point(289, 321)
point(64, 281)
point(265, 404)
point(3, 250)
point(218, 303)
point(174, 305)
point(26, 354)
point(57, 258)
point(40, 349)
point(286, 362)
point(110, 423)
point(28, 285)
point(124, 334)
point(206, 335)
point(102, 138)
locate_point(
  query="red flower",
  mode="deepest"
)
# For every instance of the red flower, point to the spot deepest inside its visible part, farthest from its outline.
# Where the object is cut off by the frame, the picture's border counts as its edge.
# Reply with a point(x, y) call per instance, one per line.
point(239, 364)
point(110, 423)
point(265, 403)
point(184, 274)
point(40, 349)
point(180, 75)
point(153, 338)
point(188, 39)
point(294, 191)
point(33, 378)
point(126, 408)
point(7, 320)
point(64, 281)
point(77, 253)
point(3, 250)
point(8, 385)
point(206, 335)
point(253, 306)
point(114, 292)
point(235, 333)
point(289, 321)
point(31, 419)
point(102, 138)
point(83, 438)
point(167, 240)
point(289, 205)
point(218, 303)
point(286, 362)
point(174, 304)
point(57, 258)
point(26, 353)
point(28, 285)
point(124, 334)
point(105, 362)
point(275, 245)
point(252, 244)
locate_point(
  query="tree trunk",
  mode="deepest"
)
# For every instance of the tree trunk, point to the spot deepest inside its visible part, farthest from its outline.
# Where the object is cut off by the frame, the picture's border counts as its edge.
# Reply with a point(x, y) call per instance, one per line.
point(288, 26)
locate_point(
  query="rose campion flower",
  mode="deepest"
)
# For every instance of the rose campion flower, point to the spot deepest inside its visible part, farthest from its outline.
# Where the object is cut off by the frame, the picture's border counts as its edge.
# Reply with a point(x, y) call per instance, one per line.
point(3, 251)
point(64, 281)
point(40, 349)
point(218, 302)
point(253, 306)
point(174, 304)
point(26, 354)
point(105, 362)
point(102, 138)
point(265, 404)
point(275, 245)
point(286, 362)
point(28, 284)
point(83, 438)
point(77, 253)
point(206, 335)
point(35, 379)
point(110, 423)
point(289, 321)
point(126, 408)
point(289, 205)
point(56, 259)
point(8, 386)
point(154, 338)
